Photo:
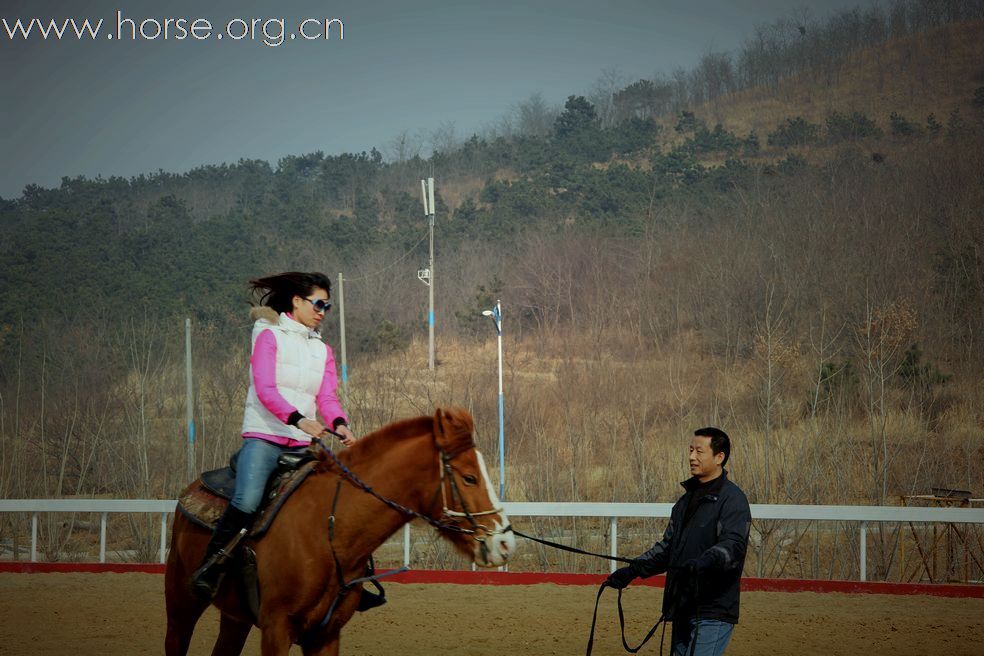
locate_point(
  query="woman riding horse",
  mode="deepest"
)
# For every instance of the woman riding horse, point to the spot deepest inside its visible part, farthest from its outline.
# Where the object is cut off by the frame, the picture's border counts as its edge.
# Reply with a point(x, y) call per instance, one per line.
point(292, 375)
point(310, 562)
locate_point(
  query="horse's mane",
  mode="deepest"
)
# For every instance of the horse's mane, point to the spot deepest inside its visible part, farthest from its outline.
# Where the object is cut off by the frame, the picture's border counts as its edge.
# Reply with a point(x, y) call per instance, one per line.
point(457, 425)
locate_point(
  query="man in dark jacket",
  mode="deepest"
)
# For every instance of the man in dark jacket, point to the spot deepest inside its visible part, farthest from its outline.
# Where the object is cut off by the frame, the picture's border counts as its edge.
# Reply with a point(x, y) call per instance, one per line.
point(702, 552)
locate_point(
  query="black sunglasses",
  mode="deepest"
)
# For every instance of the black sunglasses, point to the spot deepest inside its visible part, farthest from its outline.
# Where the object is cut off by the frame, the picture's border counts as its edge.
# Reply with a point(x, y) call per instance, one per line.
point(320, 305)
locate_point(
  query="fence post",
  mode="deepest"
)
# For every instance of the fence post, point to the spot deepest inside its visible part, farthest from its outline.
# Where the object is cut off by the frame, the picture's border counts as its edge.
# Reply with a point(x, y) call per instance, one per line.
point(613, 527)
point(406, 544)
point(864, 551)
point(34, 537)
point(102, 537)
point(163, 533)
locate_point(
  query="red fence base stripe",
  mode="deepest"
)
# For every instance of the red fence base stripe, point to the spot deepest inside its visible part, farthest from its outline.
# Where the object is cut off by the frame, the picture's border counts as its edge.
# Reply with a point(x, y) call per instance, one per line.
point(487, 577)
point(864, 587)
point(83, 568)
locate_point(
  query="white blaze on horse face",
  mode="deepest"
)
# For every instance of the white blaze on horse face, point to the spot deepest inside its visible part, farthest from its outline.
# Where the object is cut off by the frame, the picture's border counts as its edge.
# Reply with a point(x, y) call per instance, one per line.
point(501, 544)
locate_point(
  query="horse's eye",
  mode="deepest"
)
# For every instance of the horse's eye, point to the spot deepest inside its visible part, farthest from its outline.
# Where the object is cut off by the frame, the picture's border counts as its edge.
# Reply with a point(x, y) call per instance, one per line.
point(470, 479)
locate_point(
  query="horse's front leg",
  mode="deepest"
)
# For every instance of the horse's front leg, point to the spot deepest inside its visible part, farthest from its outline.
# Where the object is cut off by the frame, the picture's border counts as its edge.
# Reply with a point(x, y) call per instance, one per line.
point(328, 647)
point(232, 636)
point(277, 637)
point(327, 642)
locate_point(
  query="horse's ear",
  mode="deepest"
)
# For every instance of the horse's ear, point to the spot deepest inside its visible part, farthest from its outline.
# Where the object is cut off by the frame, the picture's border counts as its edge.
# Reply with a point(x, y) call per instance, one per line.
point(440, 432)
point(452, 424)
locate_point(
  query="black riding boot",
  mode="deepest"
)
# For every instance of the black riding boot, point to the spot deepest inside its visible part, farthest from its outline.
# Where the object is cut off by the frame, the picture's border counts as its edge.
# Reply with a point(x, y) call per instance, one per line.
point(207, 578)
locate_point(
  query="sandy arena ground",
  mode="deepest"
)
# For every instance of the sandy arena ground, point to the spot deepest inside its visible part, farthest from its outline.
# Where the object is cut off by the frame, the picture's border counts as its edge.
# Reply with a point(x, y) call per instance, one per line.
point(110, 614)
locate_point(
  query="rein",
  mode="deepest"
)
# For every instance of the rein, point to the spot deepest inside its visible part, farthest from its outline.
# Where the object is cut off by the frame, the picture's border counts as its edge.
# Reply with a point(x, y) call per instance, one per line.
point(446, 467)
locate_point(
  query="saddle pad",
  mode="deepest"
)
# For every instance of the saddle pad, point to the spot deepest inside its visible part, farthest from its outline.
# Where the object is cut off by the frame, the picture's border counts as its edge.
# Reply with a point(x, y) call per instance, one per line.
point(203, 507)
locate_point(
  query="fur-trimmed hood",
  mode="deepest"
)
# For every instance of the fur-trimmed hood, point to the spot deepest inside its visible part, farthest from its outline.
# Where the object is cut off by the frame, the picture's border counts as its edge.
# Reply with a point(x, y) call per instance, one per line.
point(270, 316)
point(264, 313)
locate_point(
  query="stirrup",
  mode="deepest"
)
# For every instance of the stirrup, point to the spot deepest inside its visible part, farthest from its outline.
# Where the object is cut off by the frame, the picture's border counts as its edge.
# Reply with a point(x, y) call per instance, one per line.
point(207, 579)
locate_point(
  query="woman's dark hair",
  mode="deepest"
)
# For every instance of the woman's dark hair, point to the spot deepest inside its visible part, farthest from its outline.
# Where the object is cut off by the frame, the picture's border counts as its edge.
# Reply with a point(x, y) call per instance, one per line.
point(278, 291)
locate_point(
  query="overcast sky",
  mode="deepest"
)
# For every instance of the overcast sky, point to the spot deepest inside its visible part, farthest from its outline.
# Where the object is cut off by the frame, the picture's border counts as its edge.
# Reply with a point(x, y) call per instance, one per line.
point(124, 107)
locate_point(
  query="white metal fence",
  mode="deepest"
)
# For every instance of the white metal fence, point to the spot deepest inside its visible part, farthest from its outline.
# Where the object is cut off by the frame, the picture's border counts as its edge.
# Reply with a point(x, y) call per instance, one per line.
point(863, 515)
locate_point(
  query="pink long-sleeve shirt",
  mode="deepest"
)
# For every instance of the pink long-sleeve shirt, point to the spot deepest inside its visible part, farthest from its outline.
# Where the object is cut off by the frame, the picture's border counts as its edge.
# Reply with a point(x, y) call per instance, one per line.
point(264, 367)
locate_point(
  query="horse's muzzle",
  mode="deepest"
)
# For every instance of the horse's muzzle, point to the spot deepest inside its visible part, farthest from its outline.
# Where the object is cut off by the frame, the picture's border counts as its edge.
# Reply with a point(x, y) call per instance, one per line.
point(493, 548)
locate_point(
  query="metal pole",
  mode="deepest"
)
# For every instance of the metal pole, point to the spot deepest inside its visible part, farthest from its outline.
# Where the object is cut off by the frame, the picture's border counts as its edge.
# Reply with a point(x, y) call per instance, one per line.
point(502, 425)
point(430, 288)
point(189, 403)
point(341, 327)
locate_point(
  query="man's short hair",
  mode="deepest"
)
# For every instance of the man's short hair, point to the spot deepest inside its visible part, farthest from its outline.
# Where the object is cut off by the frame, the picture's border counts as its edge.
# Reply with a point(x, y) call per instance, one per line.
point(720, 442)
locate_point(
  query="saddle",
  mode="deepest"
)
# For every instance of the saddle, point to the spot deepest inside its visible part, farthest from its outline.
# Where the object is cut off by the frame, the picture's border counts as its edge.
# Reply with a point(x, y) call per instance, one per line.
point(204, 503)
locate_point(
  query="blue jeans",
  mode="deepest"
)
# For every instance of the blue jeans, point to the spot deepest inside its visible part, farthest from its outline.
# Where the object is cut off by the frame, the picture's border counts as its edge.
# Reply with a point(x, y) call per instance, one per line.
point(255, 462)
point(712, 637)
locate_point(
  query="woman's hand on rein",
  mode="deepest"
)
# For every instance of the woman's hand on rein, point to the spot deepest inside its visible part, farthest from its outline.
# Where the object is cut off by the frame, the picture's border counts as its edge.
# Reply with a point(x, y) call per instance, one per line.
point(312, 427)
point(347, 437)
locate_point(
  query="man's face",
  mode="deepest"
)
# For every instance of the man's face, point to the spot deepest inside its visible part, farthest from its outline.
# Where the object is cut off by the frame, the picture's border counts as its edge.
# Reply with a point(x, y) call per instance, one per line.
point(704, 463)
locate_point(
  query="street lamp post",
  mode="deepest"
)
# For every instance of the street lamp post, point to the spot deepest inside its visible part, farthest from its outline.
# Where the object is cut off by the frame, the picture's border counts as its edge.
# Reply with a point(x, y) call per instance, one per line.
point(496, 314)
point(427, 192)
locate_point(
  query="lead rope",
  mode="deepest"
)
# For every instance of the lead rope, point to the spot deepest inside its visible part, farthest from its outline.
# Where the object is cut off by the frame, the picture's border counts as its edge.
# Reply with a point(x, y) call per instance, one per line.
point(564, 547)
point(621, 612)
point(601, 589)
point(652, 631)
point(621, 624)
point(594, 617)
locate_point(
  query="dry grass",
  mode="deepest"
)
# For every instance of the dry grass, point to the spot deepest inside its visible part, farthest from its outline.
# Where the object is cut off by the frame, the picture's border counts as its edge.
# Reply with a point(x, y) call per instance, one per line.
point(606, 419)
point(456, 190)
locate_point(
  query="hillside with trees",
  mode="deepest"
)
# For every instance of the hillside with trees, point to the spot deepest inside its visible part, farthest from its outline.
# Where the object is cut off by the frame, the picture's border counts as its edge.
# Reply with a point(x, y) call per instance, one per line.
point(785, 241)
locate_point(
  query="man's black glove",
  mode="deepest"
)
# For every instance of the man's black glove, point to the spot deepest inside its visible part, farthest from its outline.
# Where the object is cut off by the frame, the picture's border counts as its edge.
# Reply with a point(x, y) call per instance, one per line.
point(691, 567)
point(621, 577)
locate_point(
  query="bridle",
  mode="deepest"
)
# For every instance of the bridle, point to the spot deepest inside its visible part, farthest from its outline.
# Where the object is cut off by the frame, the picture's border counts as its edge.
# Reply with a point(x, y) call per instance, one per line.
point(479, 532)
point(450, 520)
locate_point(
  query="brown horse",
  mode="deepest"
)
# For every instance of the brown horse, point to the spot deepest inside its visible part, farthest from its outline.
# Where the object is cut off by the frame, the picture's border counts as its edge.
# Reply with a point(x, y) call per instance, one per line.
point(428, 464)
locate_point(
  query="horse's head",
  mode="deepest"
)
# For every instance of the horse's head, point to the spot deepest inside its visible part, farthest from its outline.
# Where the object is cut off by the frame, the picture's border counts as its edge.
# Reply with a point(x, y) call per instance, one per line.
point(477, 524)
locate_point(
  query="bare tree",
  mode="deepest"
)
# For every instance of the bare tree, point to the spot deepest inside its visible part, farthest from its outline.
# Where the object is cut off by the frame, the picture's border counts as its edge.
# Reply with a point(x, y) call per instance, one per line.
point(884, 332)
point(403, 147)
point(443, 138)
point(602, 95)
point(533, 117)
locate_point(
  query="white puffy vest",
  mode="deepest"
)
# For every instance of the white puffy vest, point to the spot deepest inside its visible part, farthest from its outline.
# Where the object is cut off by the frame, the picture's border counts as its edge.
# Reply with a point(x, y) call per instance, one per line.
point(301, 357)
